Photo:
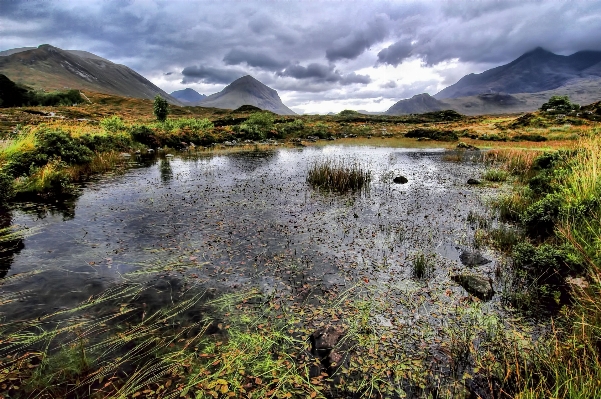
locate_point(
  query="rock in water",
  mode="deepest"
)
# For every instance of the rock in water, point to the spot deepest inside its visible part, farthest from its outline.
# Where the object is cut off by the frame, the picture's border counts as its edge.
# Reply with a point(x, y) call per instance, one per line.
point(473, 181)
point(472, 259)
point(326, 346)
point(478, 286)
point(400, 180)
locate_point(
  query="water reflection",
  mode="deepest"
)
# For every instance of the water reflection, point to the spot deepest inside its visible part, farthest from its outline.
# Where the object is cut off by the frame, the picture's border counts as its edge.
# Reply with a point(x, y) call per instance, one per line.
point(10, 244)
point(166, 170)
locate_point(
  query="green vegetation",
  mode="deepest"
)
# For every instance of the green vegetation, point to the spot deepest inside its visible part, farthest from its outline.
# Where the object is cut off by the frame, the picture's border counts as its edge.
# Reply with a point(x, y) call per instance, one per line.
point(557, 207)
point(559, 105)
point(339, 176)
point(13, 95)
point(160, 108)
point(257, 126)
point(495, 175)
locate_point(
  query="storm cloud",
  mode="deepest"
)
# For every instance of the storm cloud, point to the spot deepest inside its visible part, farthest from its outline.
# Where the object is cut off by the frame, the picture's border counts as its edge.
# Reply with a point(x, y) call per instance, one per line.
point(326, 49)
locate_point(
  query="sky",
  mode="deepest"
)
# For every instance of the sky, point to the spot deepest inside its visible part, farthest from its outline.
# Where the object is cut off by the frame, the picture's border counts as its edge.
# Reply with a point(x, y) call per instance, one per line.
point(321, 56)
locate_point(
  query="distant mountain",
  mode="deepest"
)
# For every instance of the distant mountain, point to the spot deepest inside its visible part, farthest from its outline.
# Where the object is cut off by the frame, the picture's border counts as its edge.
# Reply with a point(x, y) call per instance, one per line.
point(247, 91)
point(535, 71)
point(51, 68)
point(417, 104)
point(188, 96)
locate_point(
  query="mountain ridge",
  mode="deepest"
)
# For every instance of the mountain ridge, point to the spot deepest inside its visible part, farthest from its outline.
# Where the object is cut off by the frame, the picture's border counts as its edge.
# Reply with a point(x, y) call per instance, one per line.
point(51, 68)
point(534, 71)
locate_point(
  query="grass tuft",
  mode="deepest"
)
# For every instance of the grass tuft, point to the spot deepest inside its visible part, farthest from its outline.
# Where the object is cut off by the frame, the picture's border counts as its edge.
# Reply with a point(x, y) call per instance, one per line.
point(339, 175)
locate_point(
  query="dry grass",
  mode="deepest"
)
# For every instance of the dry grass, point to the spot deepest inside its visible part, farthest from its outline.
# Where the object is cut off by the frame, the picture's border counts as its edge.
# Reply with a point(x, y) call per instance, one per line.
point(339, 175)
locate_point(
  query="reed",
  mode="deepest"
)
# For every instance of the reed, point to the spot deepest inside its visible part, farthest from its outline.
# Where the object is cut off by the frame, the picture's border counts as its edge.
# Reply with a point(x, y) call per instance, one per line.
point(339, 175)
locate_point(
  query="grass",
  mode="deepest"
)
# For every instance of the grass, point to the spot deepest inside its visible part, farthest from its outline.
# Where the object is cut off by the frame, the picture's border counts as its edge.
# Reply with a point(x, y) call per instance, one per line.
point(339, 175)
point(495, 175)
point(422, 266)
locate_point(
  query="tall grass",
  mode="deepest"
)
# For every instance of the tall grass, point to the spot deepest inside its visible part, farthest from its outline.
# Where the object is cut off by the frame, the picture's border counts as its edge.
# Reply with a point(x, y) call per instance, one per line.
point(339, 175)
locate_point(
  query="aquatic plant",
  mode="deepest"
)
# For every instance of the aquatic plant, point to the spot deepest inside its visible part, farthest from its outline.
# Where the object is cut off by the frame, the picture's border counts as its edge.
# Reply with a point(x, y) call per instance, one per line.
point(339, 175)
point(495, 175)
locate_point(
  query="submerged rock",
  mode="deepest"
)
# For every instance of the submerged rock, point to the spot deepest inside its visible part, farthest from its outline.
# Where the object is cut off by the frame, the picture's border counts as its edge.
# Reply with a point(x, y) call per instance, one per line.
point(476, 285)
point(400, 180)
point(472, 259)
point(326, 345)
point(473, 181)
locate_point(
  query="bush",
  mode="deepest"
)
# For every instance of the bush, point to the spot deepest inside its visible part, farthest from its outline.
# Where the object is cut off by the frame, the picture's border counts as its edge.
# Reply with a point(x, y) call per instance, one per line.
point(56, 143)
point(112, 124)
point(144, 135)
point(70, 97)
point(540, 218)
point(559, 105)
point(6, 188)
point(257, 125)
point(106, 143)
point(160, 108)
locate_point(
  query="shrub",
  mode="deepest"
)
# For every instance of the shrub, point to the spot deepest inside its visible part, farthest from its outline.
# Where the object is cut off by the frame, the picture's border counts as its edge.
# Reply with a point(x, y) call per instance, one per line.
point(160, 108)
point(559, 105)
point(6, 188)
point(257, 125)
point(144, 135)
point(56, 143)
point(540, 217)
point(106, 143)
point(112, 124)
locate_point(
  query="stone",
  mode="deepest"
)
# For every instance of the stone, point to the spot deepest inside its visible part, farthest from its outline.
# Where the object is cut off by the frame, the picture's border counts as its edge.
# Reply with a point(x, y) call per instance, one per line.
point(466, 146)
point(478, 286)
point(473, 181)
point(400, 180)
point(472, 259)
point(326, 346)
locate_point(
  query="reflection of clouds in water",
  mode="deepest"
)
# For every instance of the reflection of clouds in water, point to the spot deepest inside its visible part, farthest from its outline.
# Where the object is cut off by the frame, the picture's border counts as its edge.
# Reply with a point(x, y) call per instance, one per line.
point(227, 211)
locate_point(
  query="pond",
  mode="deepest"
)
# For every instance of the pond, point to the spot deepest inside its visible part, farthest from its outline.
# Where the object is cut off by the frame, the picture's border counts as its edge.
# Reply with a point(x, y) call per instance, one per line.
point(240, 221)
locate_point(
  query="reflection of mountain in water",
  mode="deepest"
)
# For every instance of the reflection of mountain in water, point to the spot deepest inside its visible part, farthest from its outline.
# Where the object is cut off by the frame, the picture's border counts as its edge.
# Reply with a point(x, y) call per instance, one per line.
point(9, 246)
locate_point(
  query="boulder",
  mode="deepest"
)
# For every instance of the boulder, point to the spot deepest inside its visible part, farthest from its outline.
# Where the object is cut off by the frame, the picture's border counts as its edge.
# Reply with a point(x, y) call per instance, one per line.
point(472, 259)
point(473, 181)
point(466, 146)
point(476, 285)
point(400, 180)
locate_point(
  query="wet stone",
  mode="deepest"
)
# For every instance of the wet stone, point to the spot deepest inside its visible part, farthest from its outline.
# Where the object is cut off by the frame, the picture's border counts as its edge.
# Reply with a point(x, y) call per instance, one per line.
point(476, 285)
point(471, 259)
point(473, 181)
point(400, 180)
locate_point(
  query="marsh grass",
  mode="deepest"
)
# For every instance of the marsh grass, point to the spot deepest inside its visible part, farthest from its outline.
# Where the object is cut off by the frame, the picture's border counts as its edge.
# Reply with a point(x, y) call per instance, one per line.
point(422, 265)
point(339, 175)
point(495, 175)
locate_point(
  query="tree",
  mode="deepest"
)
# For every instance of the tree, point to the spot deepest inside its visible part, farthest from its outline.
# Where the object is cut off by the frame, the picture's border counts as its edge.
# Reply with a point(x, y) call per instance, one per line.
point(161, 108)
point(559, 105)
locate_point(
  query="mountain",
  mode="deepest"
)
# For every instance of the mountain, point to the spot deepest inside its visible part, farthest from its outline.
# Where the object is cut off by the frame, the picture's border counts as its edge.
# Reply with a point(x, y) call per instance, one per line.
point(188, 96)
point(535, 71)
point(417, 104)
point(247, 91)
point(51, 68)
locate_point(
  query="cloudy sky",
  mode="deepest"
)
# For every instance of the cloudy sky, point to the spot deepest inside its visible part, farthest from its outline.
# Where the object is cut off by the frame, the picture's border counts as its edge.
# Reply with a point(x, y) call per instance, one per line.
point(320, 56)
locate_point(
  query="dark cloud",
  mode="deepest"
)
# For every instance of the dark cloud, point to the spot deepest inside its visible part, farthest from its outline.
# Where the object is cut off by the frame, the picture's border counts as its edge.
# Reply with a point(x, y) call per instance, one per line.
point(254, 59)
point(353, 45)
point(396, 53)
point(197, 74)
point(323, 73)
point(213, 43)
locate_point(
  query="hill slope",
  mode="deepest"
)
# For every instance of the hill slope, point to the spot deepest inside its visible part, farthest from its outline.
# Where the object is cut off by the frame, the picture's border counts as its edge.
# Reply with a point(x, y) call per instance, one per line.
point(533, 72)
point(51, 68)
point(247, 91)
point(188, 96)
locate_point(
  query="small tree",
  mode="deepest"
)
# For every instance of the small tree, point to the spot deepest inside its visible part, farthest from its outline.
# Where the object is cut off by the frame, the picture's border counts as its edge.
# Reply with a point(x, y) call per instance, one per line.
point(161, 108)
point(559, 105)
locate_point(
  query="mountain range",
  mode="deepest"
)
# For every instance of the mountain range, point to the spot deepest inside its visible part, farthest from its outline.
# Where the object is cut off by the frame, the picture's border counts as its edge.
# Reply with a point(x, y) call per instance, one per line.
point(521, 85)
